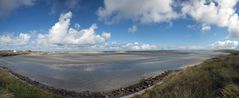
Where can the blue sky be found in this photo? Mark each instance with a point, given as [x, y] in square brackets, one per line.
[121, 24]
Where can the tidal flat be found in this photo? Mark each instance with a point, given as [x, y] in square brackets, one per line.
[100, 72]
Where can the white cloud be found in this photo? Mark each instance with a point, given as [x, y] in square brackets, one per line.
[205, 27]
[138, 46]
[60, 29]
[7, 6]
[106, 35]
[226, 44]
[221, 13]
[191, 26]
[133, 29]
[62, 34]
[21, 39]
[144, 11]
[127, 46]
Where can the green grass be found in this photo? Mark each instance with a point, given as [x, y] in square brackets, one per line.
[11, 87]
[217, 77]
[12, 53]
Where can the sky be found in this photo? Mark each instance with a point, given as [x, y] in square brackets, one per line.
[101, 25]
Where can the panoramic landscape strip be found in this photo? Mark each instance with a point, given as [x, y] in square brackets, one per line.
[119, 48]
[218, 76]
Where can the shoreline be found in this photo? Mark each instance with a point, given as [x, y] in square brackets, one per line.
[140, 86]
[53, 90]
[144, 84]
[160, 82]
[124, 92]
[215, 77]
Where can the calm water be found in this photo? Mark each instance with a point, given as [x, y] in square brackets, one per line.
[99, 72]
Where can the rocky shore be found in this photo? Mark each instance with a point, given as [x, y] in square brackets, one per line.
[143, 84]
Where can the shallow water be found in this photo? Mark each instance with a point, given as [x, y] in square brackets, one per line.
[99, 72]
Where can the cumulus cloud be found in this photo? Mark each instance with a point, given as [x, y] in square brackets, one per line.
[62, 34]
[138, 46]
[125, 46]
[226, 44]
[21, 39]
[133, 29]
[7, 6]
[144, 11]
[220, 13]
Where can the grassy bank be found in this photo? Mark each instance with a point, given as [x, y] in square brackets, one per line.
[4, 53]
[11, 87]
[216, 77]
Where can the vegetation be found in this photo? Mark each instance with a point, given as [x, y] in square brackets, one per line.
[216, 77]
[11, 87]
[13, 52]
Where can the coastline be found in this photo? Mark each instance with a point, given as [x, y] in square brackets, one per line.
[160, 82]
[219, 72]
[56, 91]
[125, 92]
[140, 86]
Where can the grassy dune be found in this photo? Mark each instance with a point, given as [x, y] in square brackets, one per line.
[217, 77]
[11, 87]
